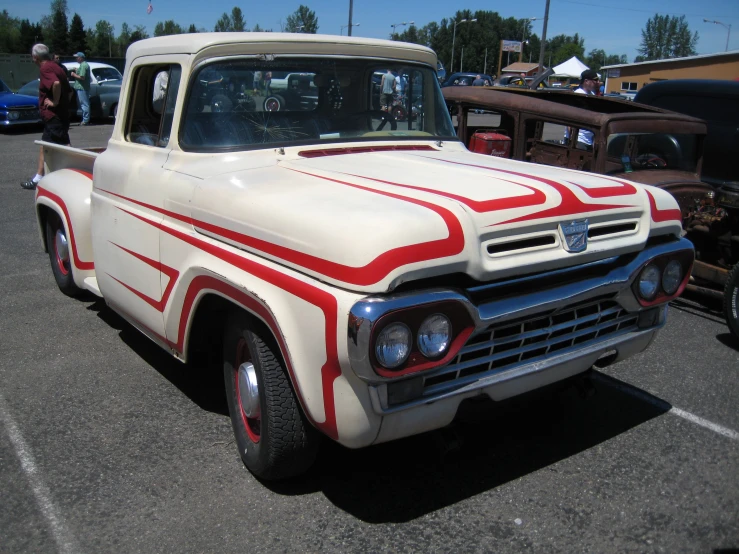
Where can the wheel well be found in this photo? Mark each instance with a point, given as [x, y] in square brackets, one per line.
[205, 342]
[43, 216]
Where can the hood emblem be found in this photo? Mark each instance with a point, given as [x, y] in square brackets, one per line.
[574, 235]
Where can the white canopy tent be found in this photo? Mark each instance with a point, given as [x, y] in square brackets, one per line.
[572, 68]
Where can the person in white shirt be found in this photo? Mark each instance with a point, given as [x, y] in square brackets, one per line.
[588, 85]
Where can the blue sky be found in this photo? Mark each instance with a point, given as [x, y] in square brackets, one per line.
[614, 26]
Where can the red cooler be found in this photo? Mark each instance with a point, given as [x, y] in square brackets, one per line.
[491, 143]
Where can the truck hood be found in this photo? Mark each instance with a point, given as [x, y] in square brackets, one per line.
[368, 221]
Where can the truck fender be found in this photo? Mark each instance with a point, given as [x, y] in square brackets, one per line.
[67, 193]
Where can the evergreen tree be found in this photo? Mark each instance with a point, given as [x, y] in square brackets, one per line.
[304, 20]
[169, 27]
[59, 37]
[30, 34]
[223, 25]
[77, 35]
[665, 37]
[238, 23]
[192, 28]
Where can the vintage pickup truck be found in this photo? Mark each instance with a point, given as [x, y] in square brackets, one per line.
[357, 276]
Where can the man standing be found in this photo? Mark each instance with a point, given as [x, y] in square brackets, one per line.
[478, 82]
[82, 86]
[54, 94]
[588, 85]
[387, 88]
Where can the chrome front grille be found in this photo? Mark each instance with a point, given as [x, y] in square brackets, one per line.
[504, 346]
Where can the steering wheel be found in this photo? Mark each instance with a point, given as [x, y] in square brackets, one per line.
[651, 161]
[386, 117]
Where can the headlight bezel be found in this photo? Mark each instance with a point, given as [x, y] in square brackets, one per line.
[461, 324]
[685, 259]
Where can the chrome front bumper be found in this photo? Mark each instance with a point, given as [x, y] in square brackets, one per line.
[522, 340]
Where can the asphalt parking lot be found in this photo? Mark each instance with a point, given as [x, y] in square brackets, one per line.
[109, 445]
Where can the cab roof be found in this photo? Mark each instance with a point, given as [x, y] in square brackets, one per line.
[280, 43]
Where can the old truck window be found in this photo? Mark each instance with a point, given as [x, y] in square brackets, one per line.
[244, 104]
[151, 106]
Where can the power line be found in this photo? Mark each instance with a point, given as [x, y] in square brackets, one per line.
[622, 9]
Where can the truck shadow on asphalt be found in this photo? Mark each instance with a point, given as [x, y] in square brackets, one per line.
[488, 445]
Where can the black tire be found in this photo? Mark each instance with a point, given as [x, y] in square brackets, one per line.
[731, 301]
[220, 103]
[274, 103]
[281, 443]
[398, 113]
[59, 256]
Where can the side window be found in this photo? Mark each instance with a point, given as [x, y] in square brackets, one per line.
[151, 106]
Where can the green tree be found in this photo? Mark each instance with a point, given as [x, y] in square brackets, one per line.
[139, 33]
[223, 25]
[303, 20]
[598, 58]
[124, 39]
[665, 37]
[192, 28]
[77, 35]
[169, 27]
[101, 40]
[30, 34]
[238, 23]
[10, 33]
[59, 37]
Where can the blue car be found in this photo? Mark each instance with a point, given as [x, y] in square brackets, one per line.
[17, 109]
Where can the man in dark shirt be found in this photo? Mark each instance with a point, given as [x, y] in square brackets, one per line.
[54, 94]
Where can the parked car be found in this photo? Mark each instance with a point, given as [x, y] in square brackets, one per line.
[630, 141]
[105, 88]
[440, 71]
[31, 89]
[518, 81]
[349, 275]
[462, 79]
[17, 108]
[717, 240]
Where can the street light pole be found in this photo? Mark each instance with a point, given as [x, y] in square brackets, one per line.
[728, 28]
[349, 33]
[394, 25]
[523, 38]
[454, 36]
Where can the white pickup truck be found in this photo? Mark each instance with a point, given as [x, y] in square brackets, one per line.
[358, 276]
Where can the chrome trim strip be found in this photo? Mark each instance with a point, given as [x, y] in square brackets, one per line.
[616, 284]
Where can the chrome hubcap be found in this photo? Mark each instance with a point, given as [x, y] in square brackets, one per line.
[62, 247]
[249, 391]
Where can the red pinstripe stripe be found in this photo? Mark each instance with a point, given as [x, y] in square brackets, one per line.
[170, 272]
[368, 274]
[87, 266]
[658, 216]
[570, 204]
[330, 370]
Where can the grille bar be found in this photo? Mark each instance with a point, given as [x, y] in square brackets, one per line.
[599, 321]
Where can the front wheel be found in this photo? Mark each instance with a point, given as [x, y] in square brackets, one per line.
[274, 438]
[274, 103]
[731, 301]
[60, 257]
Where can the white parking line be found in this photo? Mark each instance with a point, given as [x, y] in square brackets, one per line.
[63, 538]
[646, 397]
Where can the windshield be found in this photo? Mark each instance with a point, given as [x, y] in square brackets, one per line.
[243, 104]
[4, 87]
[106, 74]
[654, 151]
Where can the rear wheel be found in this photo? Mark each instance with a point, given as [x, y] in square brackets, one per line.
[274, 103]
[274, 438]
[731, 300]
[60, 257]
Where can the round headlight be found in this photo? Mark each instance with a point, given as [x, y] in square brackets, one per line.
[393, 345]
[13, 115]
[649, 282]
[672, 276]
[434, 335]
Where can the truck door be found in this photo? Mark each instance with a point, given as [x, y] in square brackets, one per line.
[129, 198]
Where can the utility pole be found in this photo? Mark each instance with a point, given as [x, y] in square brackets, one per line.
[728, 28]
[485, 67]
[543, 40]
[351, 10]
